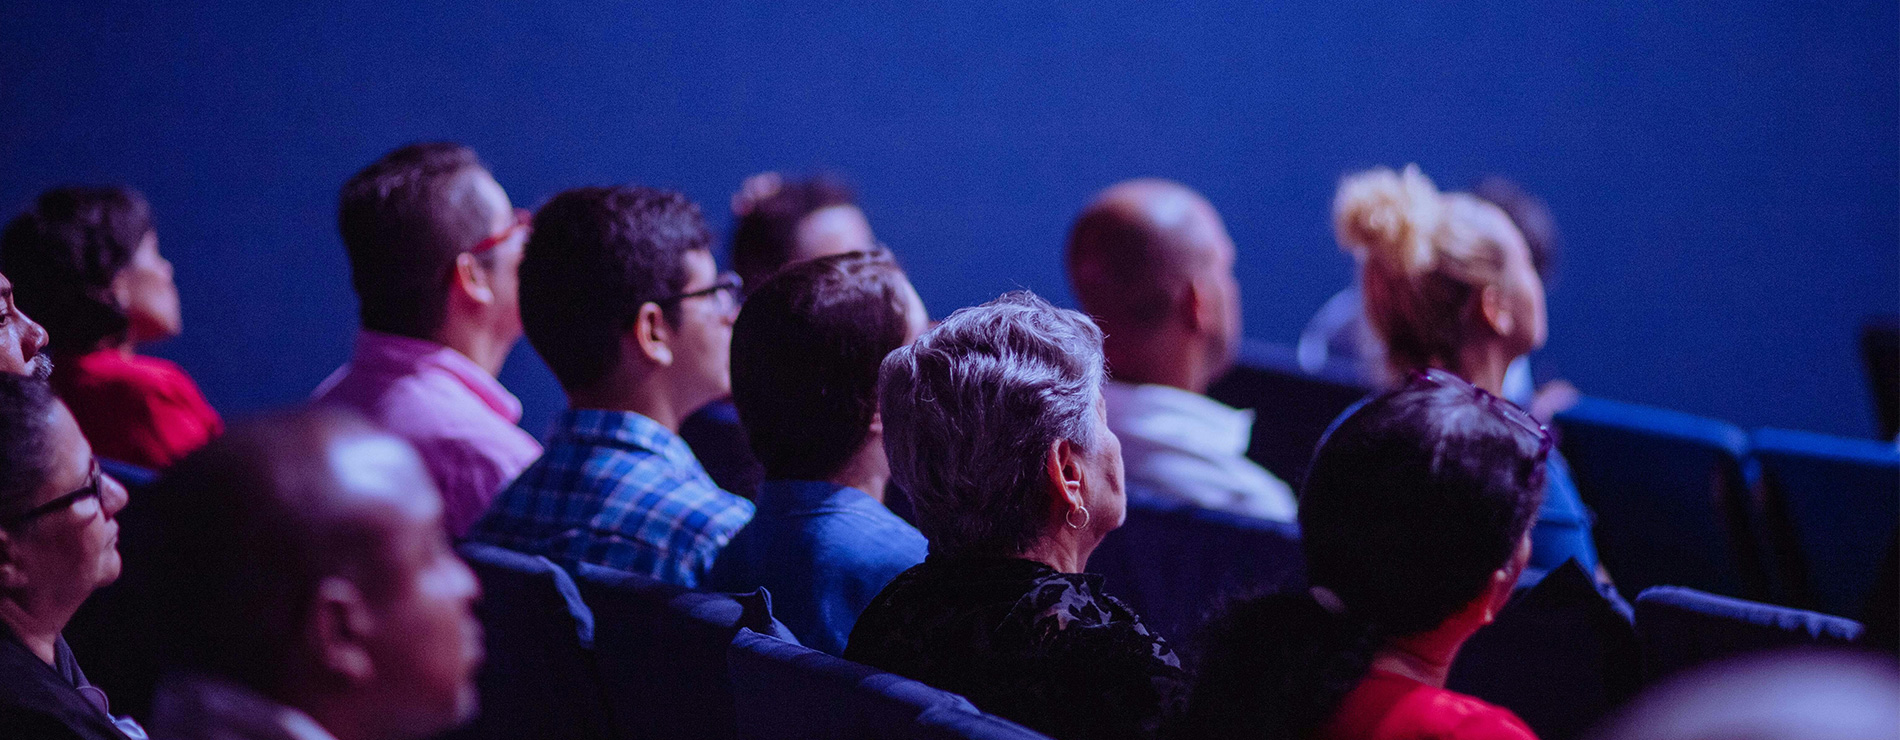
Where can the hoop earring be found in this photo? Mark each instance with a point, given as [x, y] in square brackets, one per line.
[1069, 518]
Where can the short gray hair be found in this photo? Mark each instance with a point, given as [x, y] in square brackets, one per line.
[971, 408]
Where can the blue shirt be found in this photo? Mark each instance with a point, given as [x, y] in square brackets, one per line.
[617, 490]
[824, 551]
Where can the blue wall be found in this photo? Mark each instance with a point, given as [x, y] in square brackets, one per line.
[1725, 173]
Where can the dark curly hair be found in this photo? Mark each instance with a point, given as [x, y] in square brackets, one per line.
[763, 238]
[63, 252]
[1412, 502]
[597, 254]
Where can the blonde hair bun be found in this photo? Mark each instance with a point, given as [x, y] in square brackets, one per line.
[1386, 218]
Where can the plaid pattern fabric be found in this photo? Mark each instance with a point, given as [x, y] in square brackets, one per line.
[618, 490]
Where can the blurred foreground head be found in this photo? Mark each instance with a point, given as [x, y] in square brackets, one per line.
[302, 557]
[1802, 695]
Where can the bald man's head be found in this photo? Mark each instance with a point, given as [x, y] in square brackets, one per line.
[1151, 259]
[304, 552]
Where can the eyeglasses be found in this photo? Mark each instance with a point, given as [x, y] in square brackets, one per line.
[523, 219]
[1505, 409]
[94, 488]
[728, 287]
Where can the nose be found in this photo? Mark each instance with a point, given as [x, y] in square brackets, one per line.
[112, 495]
[34, 339]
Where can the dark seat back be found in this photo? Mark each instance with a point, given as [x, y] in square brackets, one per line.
[1833, 505]
[1683, 628]
[1670, 496]
[1173, 563]
[788, 692]
[539, 679]
[661, 651]
[1880, 351]
[1292, 407]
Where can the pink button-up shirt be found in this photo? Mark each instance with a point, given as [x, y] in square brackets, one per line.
[457, 415]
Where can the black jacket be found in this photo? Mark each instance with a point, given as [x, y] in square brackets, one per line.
[43, 701]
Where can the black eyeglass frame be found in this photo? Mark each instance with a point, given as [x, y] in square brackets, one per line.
[727, 281]
[94, 488]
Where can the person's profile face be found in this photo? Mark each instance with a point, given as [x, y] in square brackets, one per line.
[145, 290]
[502, 261]
[704, 335]
[65, 539]
[1106, 495]
[21, 339]
[833, 230]
[1522, 287]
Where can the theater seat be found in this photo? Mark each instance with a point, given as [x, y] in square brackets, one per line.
[661, 651]
[1682, 628]
[1292, 407]
[539, 678]
[787, 692]
[1173, 563]
[1669, 494]
[1562, 654]
[1833, 505]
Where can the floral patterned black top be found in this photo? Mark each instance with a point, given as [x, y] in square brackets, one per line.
[1024, 642]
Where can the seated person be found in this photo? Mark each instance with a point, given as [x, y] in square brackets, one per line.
[619, 295]
[315, 592]
[22, 340]
[58, 543]
[1415, 519]
[994, 425]
[1449, 284]
[776, 223]
[433, 244]
[805, 355]
[86, 261]
[1152, 262]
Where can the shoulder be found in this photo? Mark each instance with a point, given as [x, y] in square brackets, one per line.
[1449, 715]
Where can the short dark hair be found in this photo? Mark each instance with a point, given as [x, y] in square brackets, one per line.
[1412, 502]
[805, 356]
[404, 219]
[595, 256]
[241, 533]
[764, 237]
[25, 450]
[62, 254]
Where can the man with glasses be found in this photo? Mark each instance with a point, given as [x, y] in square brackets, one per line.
[59, 537]
[433, 245]
[619, 294]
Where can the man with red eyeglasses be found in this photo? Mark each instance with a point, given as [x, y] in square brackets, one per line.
[434, 245]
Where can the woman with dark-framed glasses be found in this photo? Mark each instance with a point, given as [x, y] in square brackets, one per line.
[58, 543]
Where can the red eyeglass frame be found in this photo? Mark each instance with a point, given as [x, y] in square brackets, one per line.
[524, 218]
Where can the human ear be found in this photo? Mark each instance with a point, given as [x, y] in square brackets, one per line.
[1496, 309]
[341, 625]
[1064, 470]
[652, 334]
[10, 575]
[472, 280]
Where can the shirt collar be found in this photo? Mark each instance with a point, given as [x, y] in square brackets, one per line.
[1150, 410]
[603, 427]
[806, 495]
[405, 355]
[205, 703]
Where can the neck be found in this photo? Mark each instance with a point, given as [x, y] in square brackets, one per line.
[1423, 658]
[638, 397]
[1484, 366]
[1168, 360]
[33, 626]
[343, 719]
[476, 343]
[867, 471]
[1063, 551]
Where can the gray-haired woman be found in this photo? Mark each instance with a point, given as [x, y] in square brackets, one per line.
[994, 425]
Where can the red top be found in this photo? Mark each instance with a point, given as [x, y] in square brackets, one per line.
[1387, 706]
[139, 410]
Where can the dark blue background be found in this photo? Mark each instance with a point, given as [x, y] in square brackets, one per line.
[1725, 173]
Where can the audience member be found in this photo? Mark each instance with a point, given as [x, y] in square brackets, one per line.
[994, 425]
[1152, 262]
[805, 356]
[776, 223]
[58, 537]
[22, 340]
[1449, 284]
[621, 298]
[1783, 695]
[1414, 521]
[433, 245]
[86, 261]
[1339, 331]
[308, 589]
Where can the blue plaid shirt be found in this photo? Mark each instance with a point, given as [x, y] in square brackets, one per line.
[618, 490]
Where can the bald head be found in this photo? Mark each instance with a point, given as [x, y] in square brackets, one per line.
[1151, 260]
